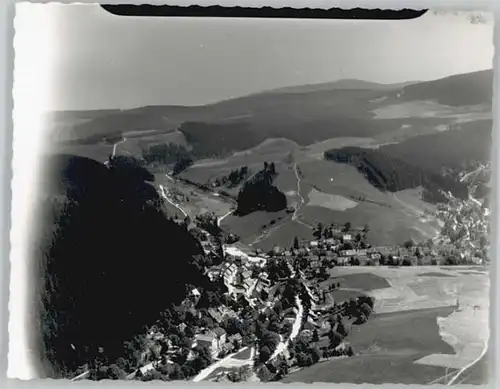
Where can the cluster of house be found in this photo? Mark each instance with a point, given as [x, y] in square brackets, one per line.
[321, 252]
[216, 342]
[468, 221]
[239, 277]
[329, 249]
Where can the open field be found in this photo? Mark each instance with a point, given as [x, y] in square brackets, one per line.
[392, 217]
[372, 369]
[283, 236]
[209, 170]
[198, 202]
[352, 285]
[435, 274]
[389, 349]
[337, 178]
[271, 150]
[386, 348]
[362, 281]
[250, 226]
[426, 109]
[329, 201]
[465, 328]
[317, 150]
[412, 286]
[341, 295]
[332, 192]
[387, 226]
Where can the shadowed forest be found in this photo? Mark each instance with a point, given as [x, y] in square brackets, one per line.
[106, 253]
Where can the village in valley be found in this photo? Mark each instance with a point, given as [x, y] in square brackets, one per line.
[270, 313]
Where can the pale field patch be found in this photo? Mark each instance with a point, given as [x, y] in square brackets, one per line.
[208, 163]
[466, 329]
[429, 109]
[317, 150]
[330, 201]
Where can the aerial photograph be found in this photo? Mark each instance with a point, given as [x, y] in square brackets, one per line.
[253, 200]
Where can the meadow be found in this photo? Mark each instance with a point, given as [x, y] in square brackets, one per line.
[386, 348]
[333, 193]
[424, 326]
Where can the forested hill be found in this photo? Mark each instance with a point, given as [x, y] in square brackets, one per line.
[105, 257]
[259, 193]
[390, 174]
[454, 149]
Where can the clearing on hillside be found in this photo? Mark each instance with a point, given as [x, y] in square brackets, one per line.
[330, 201]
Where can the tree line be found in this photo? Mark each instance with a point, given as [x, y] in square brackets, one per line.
[390, 174]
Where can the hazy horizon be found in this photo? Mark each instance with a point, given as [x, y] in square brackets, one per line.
[263, 91]
[102, 61]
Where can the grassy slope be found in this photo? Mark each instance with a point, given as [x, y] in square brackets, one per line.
[362, 281]
[386, 346]
[451, 148]
[390, 220]
[249, 227]
[450, 90]
[283, 236]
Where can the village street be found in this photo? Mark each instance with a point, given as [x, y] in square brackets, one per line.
[283, 345]
[227, 362]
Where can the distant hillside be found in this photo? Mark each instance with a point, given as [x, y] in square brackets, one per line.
[454, 148]
[121, 122]
[348, 84]
[390, 174]
[463, 89]
[61, 124]
[304, 114]
[105, 252]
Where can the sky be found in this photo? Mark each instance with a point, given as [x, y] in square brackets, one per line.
[100, 61]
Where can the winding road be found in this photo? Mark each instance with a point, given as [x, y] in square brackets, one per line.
[302, 201]
[113, 153]
[283, 345]
[295, 216]
[297, 324]
[164, 195]
[220, 219]
[116, 144]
